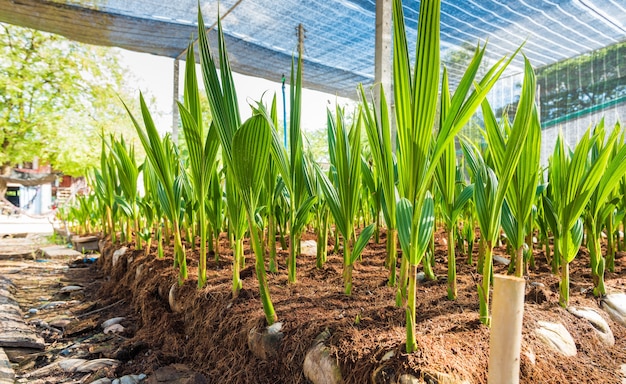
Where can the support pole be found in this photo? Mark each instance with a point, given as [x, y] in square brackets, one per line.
[174, 102]
[301, 37]
[383, 60]
[382, 57]
[505, 340]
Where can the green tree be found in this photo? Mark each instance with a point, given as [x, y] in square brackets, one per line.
[56, 98]
[590, 80]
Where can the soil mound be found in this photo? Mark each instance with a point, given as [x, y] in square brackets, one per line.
[207, 330]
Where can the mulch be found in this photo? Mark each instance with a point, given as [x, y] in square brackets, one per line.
[210, 334]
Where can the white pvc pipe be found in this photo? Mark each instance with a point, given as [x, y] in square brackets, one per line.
[505, 340]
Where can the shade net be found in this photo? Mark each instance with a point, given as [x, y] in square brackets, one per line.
[339, 37]
[577, 46]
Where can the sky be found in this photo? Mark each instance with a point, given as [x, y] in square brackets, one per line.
[153, 75]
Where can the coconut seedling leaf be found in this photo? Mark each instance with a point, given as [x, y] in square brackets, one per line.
[426, 226]
[251, 145]
[405, 217]
[362, 241]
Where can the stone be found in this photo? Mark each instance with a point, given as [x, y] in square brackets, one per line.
[265, 345]
[115, 328]
[117, 254]
[319, 366]
[615, 305]
[556, 336]
[70, 365]
[308, 248]
[132, 379]
[97, 364]
[104, 380]
[600, 326]
[501, 260]
[71, 288]
[175, 306]
[388, 355]
[112, 321]
[176, 374]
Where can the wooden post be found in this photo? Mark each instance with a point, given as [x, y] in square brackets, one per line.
[505, 340]
[383, 68]
[300, 32]
[383, 55]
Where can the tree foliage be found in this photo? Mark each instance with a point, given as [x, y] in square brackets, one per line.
[56, 98]
[586, 81]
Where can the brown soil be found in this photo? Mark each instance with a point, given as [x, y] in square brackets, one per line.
[210, 334]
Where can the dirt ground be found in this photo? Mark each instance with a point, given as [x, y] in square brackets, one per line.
[210, 334]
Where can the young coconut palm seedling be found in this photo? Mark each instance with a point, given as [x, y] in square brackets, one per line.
[222, 97]
[251, 142]
[301, 199]
[163, 159]
[215, 211]
[454, 196]
[342, 193]
[418, 154]
[370, 203]
[128, 173]
[491, 187]
[601, 204]
[572, 182]
[621, 205]
[521, 193]
[105, 180]
[292, 167]
[147, 221]
[80, 216]
[153, 210]
[202, 149]
[378, 130]
[321, 214]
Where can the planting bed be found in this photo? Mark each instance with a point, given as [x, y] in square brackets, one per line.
[209, 333]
